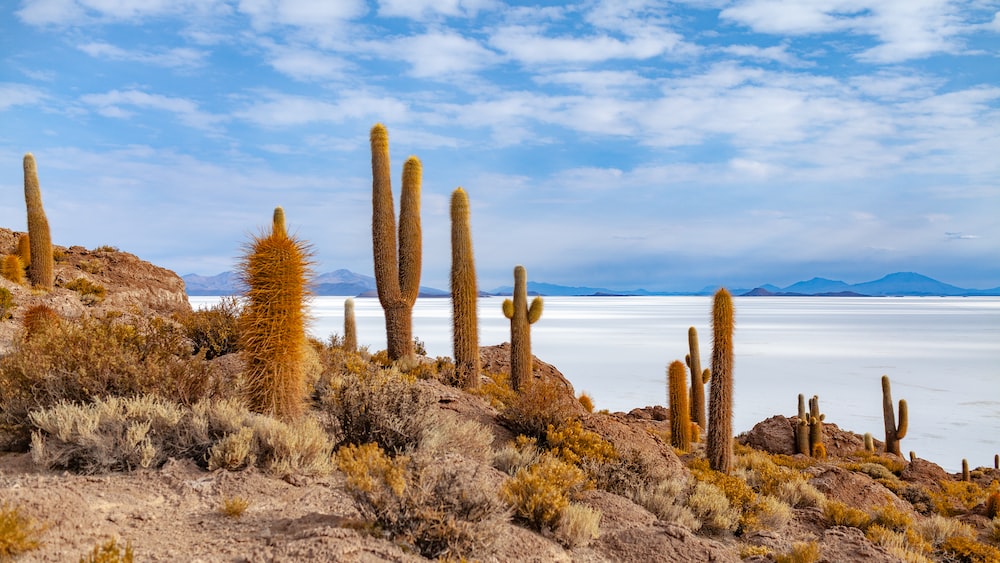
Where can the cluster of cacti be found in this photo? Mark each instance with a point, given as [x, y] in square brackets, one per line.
[464, 294]
[677, 397]
[698, 379]
[719, 441]
[397, 271]
[893, 432]
[276, 271]
[350, 327]
[41, 271]
[521, 316]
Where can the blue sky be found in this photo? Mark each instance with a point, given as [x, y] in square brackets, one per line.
[621, 144]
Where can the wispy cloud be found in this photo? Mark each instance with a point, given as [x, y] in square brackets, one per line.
[124, 103]
[174, 57]
[14, 94]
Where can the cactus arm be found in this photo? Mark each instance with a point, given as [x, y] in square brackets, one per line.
[410, 234]
[383, 220]
[508, 308]
[278, 222]
[535, 310]
[904, 420]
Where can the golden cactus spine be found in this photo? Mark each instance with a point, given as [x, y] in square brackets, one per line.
[464, 294]
[893, 433]
[719, 442]
[350, 327]
[24, 249]
[276, 270]
[397, 271]
[680, 415]
[41, 270]
[12, 269]
[698, 379]
[521, 316]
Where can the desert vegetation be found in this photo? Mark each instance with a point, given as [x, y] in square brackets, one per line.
[487, 456]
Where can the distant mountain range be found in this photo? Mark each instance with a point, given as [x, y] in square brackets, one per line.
[346, 282]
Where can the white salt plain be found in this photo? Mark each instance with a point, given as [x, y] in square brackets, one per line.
[941, 354]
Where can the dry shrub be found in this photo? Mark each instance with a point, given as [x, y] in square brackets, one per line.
[443, 509]
[233, 507]
[994, 530]
[765, 476]
[7, 304]
[586, 401]
[517, 454]
[573, 443]
[384, 407]
[840, 514]
[214, 331]
[894, 464]
[712, 508]
[907, 545]
[90, 293]
[800, 494]
[741, 497]
[112, 356]
[117, 434]
[748, 551]
[993, 505]
[18, 533]
[936, 529]
[801, 552]
[540, 492]
[495, 388]
[892, 518]
[957, 497]
[578, 524]
[667, 500]
[771, 513]
[447, 432]
[963, 549]
[110, 552]
[541, 404]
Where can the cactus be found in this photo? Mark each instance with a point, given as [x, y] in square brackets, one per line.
[802, 429]
[464, 294]
[40, 272]
[350, 327]
[893, 433]
[965, 470]
[869, 442]
[397, 273]
[24, 249]
[719, 442]
[816, 428]
[680, 415]
[12, 269]
[996, 461]
[698, 378]
[278, 223]
[913, 456]
[521, 318]
[276, 270]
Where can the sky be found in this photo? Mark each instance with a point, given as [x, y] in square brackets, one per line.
[623, 144]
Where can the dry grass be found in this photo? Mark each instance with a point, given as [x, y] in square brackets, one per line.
[840, 514]
[214, 331]
[90, 293]
[968, 550]
[541, 404]
[573, 443]
[801, 552]
[540, 492]
[712, 508]
[518, 454]
[233, 507]
[18, 533]
[110, 552]
[578, 525]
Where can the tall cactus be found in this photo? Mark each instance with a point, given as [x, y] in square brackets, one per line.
[802, 429]
[521, 316]
[464, 294]
[698, 379]
[893, 433]
[816, 447]
[276, 270]
[41, 271]
[719, 442]
[397, 271]
[350, 327]
[680, 416]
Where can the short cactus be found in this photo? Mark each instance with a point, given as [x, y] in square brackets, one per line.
[276, 270]
[719, 442]
[12, 269]
[397, 271]
[869, 442]
[464, 294]
[893, 433]
[24, 248]
[521, 316]
[680, 416]
[698, 378]
[350, 327]
[802, 429]
[816, 428]
[41, 270]
[965, 470]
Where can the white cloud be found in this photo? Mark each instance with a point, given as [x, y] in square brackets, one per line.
[777, 53]
[13, 94]
[302, 63]
[265, 14]
[626, 83]
[177, 57]
[114, 104]
[906, 29]
[80, 12]
[436, 54]
[283, 110]
[530, 45]
[420, 9]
